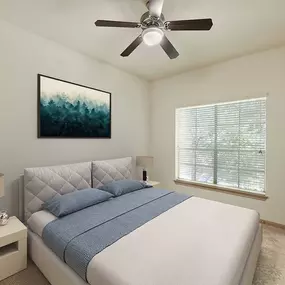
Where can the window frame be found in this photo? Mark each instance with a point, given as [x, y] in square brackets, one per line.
[212, 186]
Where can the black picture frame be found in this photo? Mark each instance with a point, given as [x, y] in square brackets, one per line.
[77, 136]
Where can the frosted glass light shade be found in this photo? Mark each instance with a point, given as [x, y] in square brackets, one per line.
[2, 185]
[144, 161]
[152, 36]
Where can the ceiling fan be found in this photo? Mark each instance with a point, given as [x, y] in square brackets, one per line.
[153, 27]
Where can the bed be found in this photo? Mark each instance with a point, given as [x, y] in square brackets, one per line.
[189, 241]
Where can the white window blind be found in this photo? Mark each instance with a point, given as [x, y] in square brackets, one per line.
[223, 144]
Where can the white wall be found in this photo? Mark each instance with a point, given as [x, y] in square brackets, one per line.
[246, 77]
[22, 57]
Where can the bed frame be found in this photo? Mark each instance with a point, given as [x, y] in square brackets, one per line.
[42, 183]
[58, 273]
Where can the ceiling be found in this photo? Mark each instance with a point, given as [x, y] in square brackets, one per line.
[240, 27]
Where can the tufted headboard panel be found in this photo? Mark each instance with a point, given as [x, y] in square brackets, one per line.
[43, 183]
[111, 170]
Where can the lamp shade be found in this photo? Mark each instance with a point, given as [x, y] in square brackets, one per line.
[1, 185]
[144, 161]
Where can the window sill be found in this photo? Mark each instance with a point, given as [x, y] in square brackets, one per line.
[223, 189]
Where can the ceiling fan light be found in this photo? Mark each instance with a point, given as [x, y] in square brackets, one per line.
[152, 36]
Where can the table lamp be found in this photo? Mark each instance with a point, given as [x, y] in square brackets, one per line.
[145, 162]
[2, 185]
[3, 214]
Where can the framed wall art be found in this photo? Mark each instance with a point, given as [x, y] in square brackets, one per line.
[70, 110]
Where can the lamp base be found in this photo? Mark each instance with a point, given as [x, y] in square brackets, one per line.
[144, 175]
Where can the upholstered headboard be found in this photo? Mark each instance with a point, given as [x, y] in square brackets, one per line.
[109, 170]
[43, 183]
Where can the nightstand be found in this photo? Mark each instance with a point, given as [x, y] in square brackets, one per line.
[153, 183]
[13, 248]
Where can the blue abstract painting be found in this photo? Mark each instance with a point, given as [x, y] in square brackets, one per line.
[69, 110]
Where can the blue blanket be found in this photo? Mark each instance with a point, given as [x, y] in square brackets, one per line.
[78, 237]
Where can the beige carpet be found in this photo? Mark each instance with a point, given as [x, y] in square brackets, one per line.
[271, 265]
[270, 269]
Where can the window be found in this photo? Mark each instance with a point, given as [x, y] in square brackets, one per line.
[223, 144]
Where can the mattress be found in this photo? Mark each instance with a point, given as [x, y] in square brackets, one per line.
[210, 245]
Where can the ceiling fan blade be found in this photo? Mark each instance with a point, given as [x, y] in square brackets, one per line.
[117, 24]
[132, 46]
[155, 7]
[169, 49]
[190, 25]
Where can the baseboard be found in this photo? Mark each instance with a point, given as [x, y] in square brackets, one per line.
[269, 223]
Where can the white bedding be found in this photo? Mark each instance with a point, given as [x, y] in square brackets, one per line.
[210, 245]
[39, 220]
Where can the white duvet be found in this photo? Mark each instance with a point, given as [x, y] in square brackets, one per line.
[198, 242]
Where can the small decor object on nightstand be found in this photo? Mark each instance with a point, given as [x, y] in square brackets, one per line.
[145, 162]
[4, 218]
[3, 214]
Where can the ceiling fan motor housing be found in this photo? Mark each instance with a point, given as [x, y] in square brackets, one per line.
[148, 21]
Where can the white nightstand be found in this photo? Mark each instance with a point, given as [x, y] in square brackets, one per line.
[13, 248]
[153, 183]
